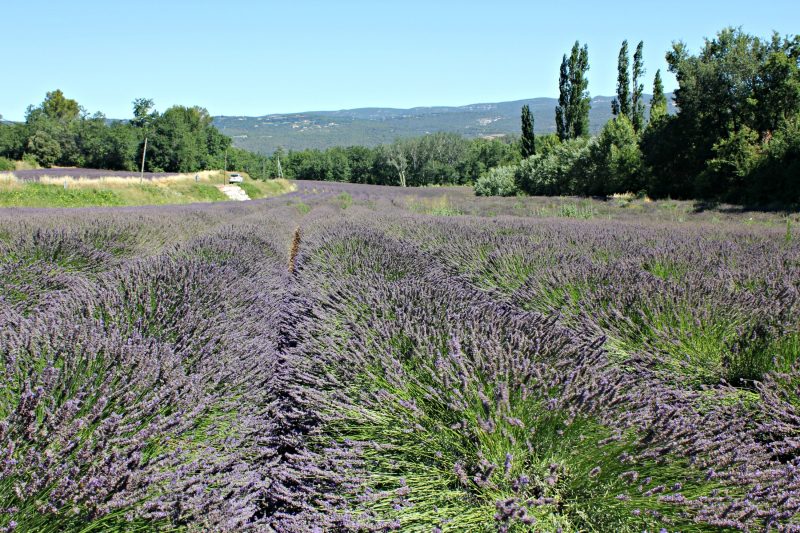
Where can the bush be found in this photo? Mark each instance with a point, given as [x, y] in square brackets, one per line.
[615, 161]
[498, 181]
[775, 176]
[561, 171]
[727, 173]
[6, 164]
[545, 144]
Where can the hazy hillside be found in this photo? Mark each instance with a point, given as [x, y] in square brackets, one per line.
[373, 126]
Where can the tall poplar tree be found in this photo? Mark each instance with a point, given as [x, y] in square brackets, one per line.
[621, 105]
[563, 100]
[637, 104]
[572, 112]
[658, 104]
[528, 147]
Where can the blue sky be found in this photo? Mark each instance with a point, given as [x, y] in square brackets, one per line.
[242, 57]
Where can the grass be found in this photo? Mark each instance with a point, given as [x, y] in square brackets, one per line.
[439, 206]
[114, 191]
[344, 200]
[265, 189]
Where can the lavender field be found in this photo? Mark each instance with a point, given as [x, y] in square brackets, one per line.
[356, 358]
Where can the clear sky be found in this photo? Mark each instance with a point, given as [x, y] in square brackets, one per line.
[240, 57]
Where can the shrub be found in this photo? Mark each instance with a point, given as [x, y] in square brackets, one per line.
[726, 174]
[558, 172]
[615, 160]
[6, 164]
[774, 177]
[547, 143]
[498, 181]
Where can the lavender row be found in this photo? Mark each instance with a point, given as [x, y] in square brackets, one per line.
[342, 359]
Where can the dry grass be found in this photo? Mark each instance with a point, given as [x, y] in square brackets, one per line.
[117, 191]
[107, 182]
[294, 250]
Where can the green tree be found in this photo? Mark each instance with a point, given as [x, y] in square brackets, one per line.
[44, 148]
[778, 90]
[737, 81]
[563, 170]
[615, 160]
[528, 141]
[658, 104]
[637, 89]
[562, 129]
[775, 177]
[57, 107]
[572, 112]
[735, 157]
[485, 154]
[144, 113]
[498, 181]
[184, 140]
[361, 161]
[12, 140]
[621, 105]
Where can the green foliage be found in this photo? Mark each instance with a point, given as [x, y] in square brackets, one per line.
[561, 171]
[615, 160]
[60, 132]
[436, 159]
[734, 159]
[12, 140]
[528, 140]
[40, 195]
[572, 113]
[144, 113]
[637, 89]
[547, 143]
[498, 181]
[658, 103]
[183, 140]
[6, 164]
[44, 148]
[582, 211]
[775, 176]
[344, 200]
[57, 107]
[733, 97]
[628, 101]
[621, 105]
[33, 194]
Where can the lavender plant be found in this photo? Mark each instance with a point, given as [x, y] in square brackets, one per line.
[512, 368]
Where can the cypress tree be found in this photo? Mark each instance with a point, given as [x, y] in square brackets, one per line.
[528, 147]
[658, 104]
[637, 104]
[621, 105]
[572, 112]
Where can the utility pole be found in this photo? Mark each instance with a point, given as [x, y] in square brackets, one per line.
[225, 169]
[144, 153]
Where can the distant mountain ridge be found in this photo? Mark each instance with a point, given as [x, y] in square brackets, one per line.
[371, 126]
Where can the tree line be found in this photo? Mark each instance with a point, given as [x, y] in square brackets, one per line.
[735, 136]
[435, 159]
[60, 132]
